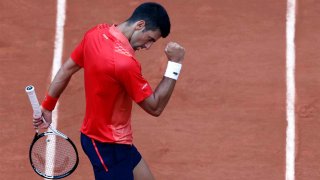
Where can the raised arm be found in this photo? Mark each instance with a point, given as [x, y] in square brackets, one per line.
[57, 86]
[156, 103]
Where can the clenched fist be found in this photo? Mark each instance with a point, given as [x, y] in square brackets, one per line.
[174, 52]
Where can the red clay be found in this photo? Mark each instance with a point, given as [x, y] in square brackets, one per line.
[226, 119]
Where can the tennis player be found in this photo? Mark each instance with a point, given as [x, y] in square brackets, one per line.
[113, 79]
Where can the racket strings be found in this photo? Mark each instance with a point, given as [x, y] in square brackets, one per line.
[53, 155]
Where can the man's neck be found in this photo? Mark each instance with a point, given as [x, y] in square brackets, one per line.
[126, 30]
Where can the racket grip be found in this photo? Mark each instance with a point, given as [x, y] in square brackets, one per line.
[34, 101]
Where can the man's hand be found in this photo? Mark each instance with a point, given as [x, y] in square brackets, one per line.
[38, 123]
[174, 52]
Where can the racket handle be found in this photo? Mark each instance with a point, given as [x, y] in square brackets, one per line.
[34, 101]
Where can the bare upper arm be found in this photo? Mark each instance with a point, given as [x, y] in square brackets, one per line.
[62, 78]
[150, 105]
[70, 67]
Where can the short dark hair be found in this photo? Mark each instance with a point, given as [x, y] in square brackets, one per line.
[155, 16]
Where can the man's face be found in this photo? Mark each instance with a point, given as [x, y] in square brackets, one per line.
[142, 39]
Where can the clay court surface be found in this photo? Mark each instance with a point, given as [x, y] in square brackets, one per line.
[227, 117]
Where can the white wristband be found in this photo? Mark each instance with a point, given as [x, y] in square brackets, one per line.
[173, 70]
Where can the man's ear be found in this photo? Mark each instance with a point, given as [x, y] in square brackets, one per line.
[139, 25]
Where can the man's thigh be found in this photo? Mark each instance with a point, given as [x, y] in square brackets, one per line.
[142, 171]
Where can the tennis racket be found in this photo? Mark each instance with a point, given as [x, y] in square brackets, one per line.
[52, 154]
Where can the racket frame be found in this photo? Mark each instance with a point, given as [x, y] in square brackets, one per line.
[38, 114]
[38, 136]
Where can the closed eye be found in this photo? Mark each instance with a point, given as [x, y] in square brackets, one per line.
[152, 39]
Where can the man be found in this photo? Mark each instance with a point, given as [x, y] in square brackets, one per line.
[113, 79]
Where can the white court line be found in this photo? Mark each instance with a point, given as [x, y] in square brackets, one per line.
[290, 73]
[57, 59]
